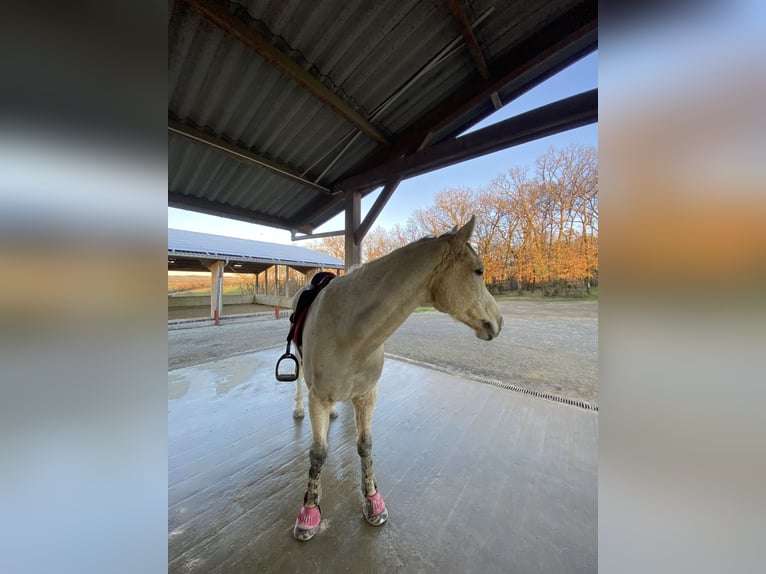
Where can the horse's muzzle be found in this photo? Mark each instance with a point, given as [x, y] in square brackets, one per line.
[489, 329]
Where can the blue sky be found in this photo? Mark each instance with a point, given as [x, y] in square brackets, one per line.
[418, 192]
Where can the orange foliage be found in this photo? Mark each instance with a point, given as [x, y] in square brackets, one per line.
[538, 229]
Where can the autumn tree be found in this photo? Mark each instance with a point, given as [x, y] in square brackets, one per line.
[334, 245]
[246, 283]
[454, 207]
[548, 221]
[375, 244]
[569, 178]
[451, 207]
[536, 228]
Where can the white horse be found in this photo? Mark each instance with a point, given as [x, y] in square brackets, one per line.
[343, 343]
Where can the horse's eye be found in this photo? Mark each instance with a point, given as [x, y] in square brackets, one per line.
[479, 272]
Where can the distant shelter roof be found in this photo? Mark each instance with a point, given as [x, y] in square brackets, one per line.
[191, 251]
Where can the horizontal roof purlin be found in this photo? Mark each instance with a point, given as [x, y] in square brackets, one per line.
[204, 245]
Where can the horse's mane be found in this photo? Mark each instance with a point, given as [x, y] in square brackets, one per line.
[423, 239]
[362, 266]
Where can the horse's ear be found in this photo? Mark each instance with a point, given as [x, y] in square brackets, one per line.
[464, 233]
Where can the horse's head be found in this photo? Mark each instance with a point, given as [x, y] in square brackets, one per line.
[457, 285]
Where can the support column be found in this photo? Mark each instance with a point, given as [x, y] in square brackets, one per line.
[216, 289]
[287, 280]
[353, 218]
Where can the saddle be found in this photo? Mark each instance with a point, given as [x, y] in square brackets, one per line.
[297, 320]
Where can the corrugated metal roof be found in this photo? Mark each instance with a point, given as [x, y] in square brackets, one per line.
[190, 243]
[392, 61]
[203, 172]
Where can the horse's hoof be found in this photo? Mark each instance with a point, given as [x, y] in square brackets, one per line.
[333, 414]
[375, 510]
[307, 523]
[298, 414]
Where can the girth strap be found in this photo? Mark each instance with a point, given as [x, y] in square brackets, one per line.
[297, 318]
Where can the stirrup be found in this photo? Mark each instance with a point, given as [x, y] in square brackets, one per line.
[288, 356]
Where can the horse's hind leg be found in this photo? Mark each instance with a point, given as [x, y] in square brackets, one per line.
[375, 510]
[298, 412]
[298, 408]
[307, 523]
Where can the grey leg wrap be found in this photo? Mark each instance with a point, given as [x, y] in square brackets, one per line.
[317, 460]
[364, 448]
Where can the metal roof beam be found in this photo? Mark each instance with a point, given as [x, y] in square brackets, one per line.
[565, 114]
[472, 44]
[377, 207]
[192, 203]
[320, 203]
[241, 154]
[296, 237]
[545, 44]
[220, 16]
[561, 36]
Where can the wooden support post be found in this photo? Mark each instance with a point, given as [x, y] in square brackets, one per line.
[353, 218]
[216, 290]
[287, 280]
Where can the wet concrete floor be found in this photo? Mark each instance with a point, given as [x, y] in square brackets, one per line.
[476, 478]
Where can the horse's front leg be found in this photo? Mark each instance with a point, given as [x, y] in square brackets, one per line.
[375, 510]
[309, 517]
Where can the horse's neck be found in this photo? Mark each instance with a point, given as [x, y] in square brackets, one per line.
[386, 291]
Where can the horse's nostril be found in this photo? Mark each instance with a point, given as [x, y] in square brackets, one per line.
[490, 328]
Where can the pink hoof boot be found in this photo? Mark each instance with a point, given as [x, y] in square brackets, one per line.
[307, 523]
[375, 509]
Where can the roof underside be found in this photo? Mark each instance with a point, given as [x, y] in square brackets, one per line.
[191, 251]
[277, 107]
